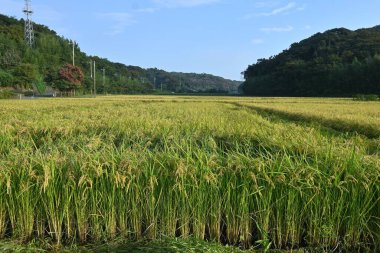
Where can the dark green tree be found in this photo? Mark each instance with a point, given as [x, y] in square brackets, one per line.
[51, 52]
[25, 75]
[338, 63]
[6, 79]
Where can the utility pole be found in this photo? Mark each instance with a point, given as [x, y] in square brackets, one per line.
[94, 79]
[90, 68]
[90, 62]
[29, 32]
[73, 42]
[154, 82]
[104, 77]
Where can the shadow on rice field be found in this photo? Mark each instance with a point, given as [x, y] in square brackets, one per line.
[350, 127]
[88, 171]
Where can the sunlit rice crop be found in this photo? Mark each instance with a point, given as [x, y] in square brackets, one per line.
[84, 170]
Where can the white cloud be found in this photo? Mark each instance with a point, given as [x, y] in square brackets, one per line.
[280, 10]
[257, 41]
[277, 29]
[120, 20]
[266, 4]
[147, 10]
[290, 7]
[183, 3]
[307, 27]
[248, 16]
[301, 8]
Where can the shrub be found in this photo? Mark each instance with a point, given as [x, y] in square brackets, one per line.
[40, 85]
[6, 94]
[6, 79]
[366, 97]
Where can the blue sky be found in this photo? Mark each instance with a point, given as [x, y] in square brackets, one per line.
[220, 37]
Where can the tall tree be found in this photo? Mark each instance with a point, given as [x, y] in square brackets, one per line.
[6, 79]
[338, 62]
[71, 78]
[25, 76]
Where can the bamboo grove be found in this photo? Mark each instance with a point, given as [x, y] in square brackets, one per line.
[85, 170]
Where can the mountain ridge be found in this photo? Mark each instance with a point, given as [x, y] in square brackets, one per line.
[52, 51]
[338, 62]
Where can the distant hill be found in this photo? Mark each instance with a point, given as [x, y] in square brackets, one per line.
[338, 62]
[191, 82]
[22, 67]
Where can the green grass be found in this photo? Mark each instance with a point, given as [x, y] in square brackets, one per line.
[165, 246]
[85, 171]
[175, 245]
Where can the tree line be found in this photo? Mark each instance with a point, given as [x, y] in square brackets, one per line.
[337, 63]
[23, 68]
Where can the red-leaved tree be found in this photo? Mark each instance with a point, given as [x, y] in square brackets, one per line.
[71, 77]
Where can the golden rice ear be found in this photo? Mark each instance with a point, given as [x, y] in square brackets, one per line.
[229, 170]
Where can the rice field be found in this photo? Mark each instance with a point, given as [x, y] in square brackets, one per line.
[254, 173]
[340, 114]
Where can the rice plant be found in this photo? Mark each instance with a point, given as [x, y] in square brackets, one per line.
[92, 170]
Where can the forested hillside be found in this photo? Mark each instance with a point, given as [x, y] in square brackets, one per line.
[23, 68]
[339, 62]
